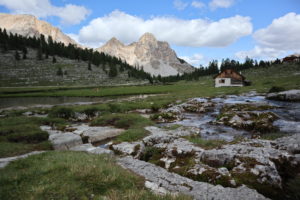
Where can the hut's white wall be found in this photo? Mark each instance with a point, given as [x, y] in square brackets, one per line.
[220, 82]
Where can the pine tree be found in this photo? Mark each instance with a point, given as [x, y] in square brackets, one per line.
[89, 66]
[17, 55]
[59, 72]
[53, 59]
[113, 72]
[39, 54]
[24, 50]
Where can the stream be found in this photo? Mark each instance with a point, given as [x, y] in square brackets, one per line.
[288, 113]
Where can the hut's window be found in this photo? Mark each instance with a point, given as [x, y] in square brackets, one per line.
[222, 81]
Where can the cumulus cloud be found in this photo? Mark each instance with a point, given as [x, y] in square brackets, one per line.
[280, 37]
[282, 34]
[214, 4]
[69, 14]
[180, 5]
[195, 32]
[198, 4]
[259, 52]
[195, 59]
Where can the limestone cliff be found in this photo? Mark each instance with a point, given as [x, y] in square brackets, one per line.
[29, 26]
[154, 56]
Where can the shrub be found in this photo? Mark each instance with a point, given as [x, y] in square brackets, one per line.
[122, 120]
[155, 108]
[62, 112]
[276, 89]
[34, 136]
[91, 111]
[293, 186]
[132, 135]
[114, 108]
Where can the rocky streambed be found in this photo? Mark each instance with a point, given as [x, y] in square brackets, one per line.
[238, 163]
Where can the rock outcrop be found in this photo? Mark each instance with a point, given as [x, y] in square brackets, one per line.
[154, 56]
[162, 181]
[254, 162]
[290, 95]
[30, 26]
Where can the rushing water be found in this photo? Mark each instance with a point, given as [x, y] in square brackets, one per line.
[288, 112]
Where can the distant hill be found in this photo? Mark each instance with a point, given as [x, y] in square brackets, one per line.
[155, 57]
[32, 61]
[65, 72]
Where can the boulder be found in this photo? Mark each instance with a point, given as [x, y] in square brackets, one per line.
[290, 95]
[65, 141]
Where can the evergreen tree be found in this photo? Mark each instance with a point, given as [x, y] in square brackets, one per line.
[113, 71]
[53, 59]
[17, 55]
[24, 50]
[59, 72]
[89, 66]
[39, 54]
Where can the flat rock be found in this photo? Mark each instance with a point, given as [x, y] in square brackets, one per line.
[6, 161]
[96, 133]
[65, 141]
[89, 148]
[290, 143]
[162, 181]
[290, 95]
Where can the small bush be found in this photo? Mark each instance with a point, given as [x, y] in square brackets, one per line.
[29, 137]
[122, 121]
[276, 89]
[91, 111]
[152, 153]
[155, 107]
[132, 135]
[293, 186]
[62, 112]
[114, 108]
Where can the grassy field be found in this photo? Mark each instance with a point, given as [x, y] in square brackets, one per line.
[286, 76]
[72, 175]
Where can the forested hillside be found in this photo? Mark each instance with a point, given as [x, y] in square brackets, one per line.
[42, 61]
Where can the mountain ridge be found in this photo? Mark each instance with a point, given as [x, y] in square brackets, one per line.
[30, 26]
[156, 57]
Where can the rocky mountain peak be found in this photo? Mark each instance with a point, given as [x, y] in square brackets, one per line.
[114, 41]
[29, 26]
[147, 38]
[156, 57]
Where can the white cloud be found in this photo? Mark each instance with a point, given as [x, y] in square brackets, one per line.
[282, 34]
[198, 4]
[195, 32]
[214, 4]
[180, 5]
[279, 38]
[260, 53]
[69, 14]
[195, 59]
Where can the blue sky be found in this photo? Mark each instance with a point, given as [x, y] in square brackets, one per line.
[198, 30]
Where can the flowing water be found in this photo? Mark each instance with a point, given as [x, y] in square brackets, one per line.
[288, 112]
